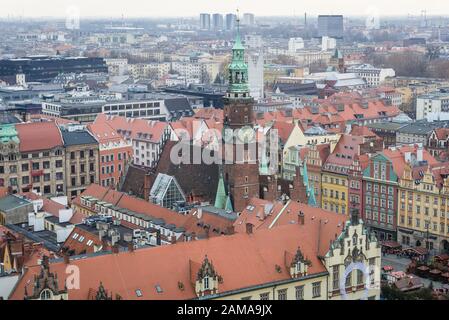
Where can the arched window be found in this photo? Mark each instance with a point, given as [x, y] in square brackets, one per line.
[46, 295]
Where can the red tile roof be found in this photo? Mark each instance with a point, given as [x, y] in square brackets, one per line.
[38, 136]
[103, 132]
[167, 266]
[320, 225]
[136, 127]
[346, 149]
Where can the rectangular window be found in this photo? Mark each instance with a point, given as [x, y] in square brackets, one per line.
[282, 294]
[316, 289]
[335, 277]
[299, 292]
[265, 296]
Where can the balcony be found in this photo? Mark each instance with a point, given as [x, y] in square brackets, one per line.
[36, 173]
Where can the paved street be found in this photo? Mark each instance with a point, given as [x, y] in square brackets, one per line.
[400, 264]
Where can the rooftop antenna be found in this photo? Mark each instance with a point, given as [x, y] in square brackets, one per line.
[238, 21]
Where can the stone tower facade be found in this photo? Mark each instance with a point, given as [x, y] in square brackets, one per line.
[240, 169]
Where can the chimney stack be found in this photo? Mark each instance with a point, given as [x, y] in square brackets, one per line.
[115, 249]
[301, 218]
[158, 237]
[66, 258]
[130, 247]
[249, 228]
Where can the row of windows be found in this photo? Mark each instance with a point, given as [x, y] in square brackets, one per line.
[375, 188]
[426, 199]
[110, 158]
[333, 180]
[132, 106]
[282, 294]
[82, 168]
[334, 194]
[428, 225]
[134, 114]
[35, 179]
[25, 167]
[82, 154]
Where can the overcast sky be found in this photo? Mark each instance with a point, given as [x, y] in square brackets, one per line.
[166, 8]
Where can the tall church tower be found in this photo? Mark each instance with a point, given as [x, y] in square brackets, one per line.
[241, 175]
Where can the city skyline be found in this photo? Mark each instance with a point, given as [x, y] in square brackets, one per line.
[137, 8]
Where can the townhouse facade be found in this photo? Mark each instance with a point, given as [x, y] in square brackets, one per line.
[81, 159]
[115, 153]
[380, 194]
[334, 179]
[32, 158]
[423, 207]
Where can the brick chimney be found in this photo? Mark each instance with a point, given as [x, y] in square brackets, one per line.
[301, 218]
[130, 247]
[115, 249]
[158, 237]
[230, 230]
[66, 258]
[249, 228]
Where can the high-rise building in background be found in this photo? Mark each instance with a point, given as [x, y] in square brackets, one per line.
[217, 21]
[328, 43]
[255, 75]
[230, 21]
[331, 26]
[295, 44]
[248, 19]
[205, 21]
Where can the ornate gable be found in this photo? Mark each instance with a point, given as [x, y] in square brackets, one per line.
[206, 278]
[297, 264]
[46, 285]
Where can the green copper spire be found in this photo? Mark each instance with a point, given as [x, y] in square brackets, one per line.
[228, 206]
[238, 70]
[220, 197]
[311, 198]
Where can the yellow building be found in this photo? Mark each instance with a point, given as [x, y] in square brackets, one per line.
[334, 177]
[423, 219]
[334, 192]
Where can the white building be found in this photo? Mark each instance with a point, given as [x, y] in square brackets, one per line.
[198, 70]
[117, 67]
[256, 75]
[248, 19]
[150, 109]
[372, 75]
[433, 106]
[253, 41]
[328, 43]
[295, 44]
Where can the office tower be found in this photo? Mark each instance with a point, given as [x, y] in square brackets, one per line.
[230, 21]
[331, 26]
[205, 21]
[248, 19]
[217, 21]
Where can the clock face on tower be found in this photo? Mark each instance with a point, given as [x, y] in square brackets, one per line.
[246, 134]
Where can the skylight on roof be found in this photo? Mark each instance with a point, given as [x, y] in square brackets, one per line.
[158, 289]
[138, 293]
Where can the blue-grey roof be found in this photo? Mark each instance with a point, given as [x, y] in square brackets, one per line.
[78, 137]
[12, 202]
